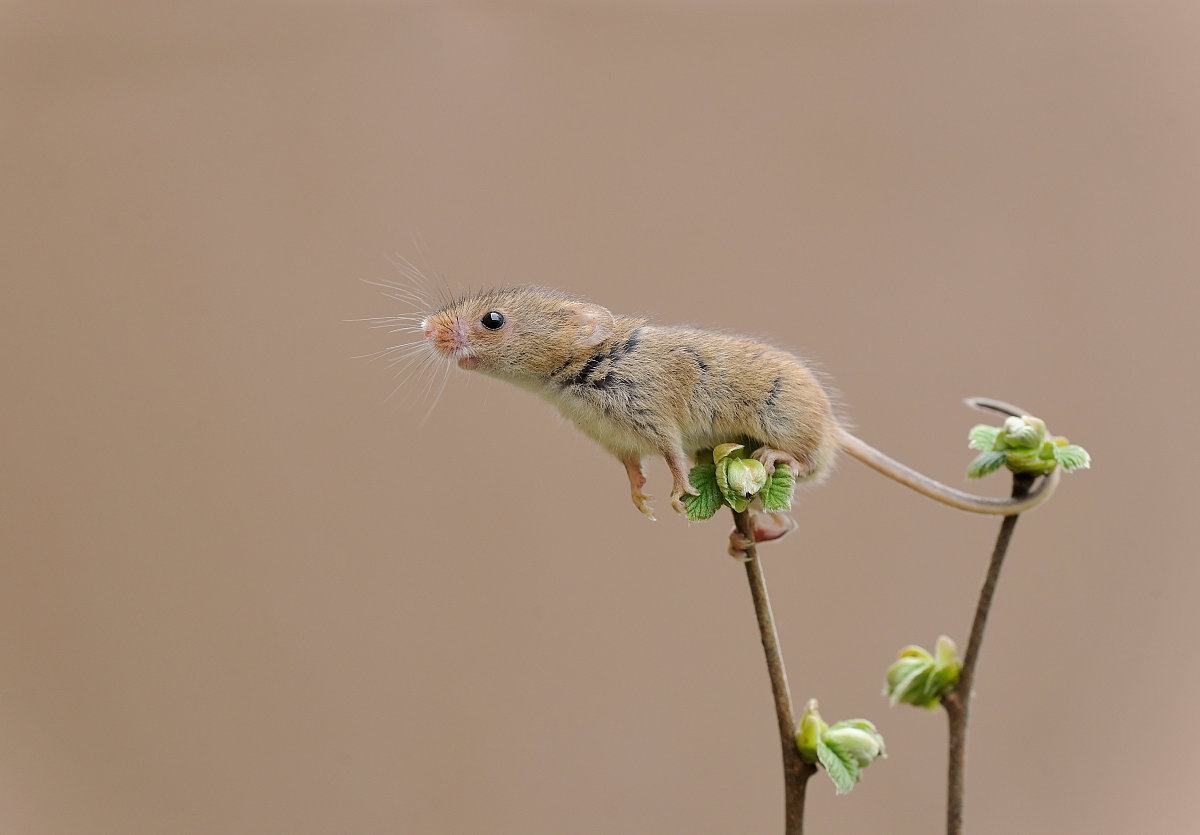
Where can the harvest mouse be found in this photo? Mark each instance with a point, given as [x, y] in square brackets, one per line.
[641, 390]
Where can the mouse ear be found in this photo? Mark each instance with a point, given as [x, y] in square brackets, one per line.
[595, 323]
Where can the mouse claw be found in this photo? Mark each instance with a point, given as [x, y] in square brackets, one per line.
[677, 497]
[738, 543]
[642, 502]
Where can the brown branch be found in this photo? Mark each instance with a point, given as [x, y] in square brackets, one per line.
[958, 701]
[795, 770]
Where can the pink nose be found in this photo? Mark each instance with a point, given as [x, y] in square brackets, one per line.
[429, 332]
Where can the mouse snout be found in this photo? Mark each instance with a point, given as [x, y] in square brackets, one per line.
[448, 338]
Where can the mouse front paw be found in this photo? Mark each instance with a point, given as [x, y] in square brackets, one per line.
[678, 493]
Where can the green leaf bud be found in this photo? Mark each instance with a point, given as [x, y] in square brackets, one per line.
[733, 497]
[1024, 446]
[844, 749]
[859, 739]
[920, 679]
[945, 650]
[745, 476]
[810, 731]
[1024, 432]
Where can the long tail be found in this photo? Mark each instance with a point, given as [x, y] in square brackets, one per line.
[937, 491]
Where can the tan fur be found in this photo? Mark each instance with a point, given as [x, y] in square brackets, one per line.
[645, 390]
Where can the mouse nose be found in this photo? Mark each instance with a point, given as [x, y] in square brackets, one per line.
[427, 328]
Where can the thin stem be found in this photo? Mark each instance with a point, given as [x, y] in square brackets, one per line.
[958, 701]
[795, 770]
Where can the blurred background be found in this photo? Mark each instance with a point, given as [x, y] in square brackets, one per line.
[245, 590]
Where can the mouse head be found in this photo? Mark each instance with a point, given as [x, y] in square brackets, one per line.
[519, 333]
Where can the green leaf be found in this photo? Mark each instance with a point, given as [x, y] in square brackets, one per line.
[983, 437]
[839, 765]
[986, 463]
[777, 492]
[1072, 457]
[703, 506]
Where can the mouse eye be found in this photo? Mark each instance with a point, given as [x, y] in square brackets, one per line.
[493, 320]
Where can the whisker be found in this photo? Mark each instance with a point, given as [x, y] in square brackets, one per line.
[405, 362]
[410, 271]
[401, 317]
[407, 349]
[438, 396]
[423, 365]
[429, 388]
[438, 283]
[416, 296]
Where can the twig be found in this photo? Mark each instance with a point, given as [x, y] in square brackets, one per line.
[795, 770]
[958, 701]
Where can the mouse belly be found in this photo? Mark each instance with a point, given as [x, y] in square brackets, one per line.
[631, 432]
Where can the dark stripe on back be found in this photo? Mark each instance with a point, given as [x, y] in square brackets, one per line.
[615, 352]
[588, 367]
[699, 358]
[774, 393]
[562, 367]
[631, 342]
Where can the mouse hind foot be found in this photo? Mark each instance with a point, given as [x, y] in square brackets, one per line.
[637, 480]
[768, 526]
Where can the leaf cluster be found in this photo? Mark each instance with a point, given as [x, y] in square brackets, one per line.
[735, 479]
[1024, 446]
[843, 749]
[919, 678]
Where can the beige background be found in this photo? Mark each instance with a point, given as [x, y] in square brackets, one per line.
[243, 592]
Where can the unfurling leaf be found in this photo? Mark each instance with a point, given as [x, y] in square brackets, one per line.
[725, 450]
[986, 463]
[839, 765]
[1072, 457]
[983, 437]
